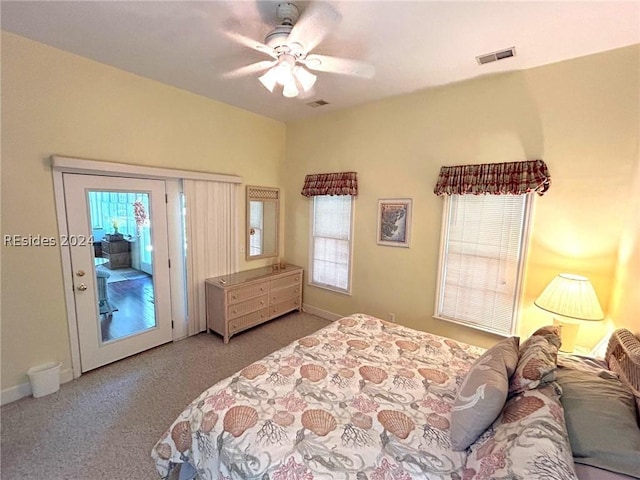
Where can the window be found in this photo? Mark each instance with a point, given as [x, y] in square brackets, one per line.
[331, 232]
[481, 260]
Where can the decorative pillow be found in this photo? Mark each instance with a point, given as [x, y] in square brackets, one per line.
[528, 440]
[537, 364]
[601, 420]
[551, 333]
[483, 392]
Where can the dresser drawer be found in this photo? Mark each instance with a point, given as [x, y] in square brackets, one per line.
[284, 307]
[241, 294]
[277, 296]
[239, 309]
[285, 282]
[248, 320]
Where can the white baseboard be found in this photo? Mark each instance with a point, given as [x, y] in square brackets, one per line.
[321, 313]
[17, 392]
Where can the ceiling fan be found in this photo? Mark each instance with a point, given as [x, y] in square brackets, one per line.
[290, 43]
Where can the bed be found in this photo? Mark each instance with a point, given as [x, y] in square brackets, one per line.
[366, 399]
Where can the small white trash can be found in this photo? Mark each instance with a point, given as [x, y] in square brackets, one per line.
[45, 378]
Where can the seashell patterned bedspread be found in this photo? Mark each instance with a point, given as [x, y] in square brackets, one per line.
[361, 399]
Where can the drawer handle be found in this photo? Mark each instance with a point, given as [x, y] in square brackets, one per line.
[261, 302]
[296, 291]
[262, 289]
[235, 311]
[233, 297]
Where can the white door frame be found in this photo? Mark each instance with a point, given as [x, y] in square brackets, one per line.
[173, 180]
[95, 349]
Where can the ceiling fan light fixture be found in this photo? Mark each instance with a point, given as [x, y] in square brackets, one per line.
[293, 64]
[269, 79]
[282, 74]
[284, 69]
[305, 78]
[290, 89]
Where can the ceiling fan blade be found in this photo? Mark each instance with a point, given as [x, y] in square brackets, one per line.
[250, 69]
[342, 66]
[251, 43]
[315, 22]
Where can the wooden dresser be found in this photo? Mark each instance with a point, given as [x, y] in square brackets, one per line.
[242, 300]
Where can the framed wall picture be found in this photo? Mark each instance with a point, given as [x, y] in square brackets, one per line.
[394, 222]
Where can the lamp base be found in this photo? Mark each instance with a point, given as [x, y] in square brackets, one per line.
[568, 334]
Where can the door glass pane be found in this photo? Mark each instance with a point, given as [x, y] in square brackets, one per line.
[123, 259]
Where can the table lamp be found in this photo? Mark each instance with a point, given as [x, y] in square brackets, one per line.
[573, 298]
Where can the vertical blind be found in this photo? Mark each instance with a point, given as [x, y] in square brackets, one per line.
[331, 241]
[211, 231]
[480, 273]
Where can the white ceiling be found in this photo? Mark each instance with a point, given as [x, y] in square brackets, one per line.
[412, 45]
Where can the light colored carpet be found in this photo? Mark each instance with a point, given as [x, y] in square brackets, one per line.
[104, 424]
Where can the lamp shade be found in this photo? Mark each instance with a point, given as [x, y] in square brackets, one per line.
[571, 296]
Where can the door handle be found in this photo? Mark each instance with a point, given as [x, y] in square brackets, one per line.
[82, 287]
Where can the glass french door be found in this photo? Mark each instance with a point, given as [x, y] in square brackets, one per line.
[119, 256]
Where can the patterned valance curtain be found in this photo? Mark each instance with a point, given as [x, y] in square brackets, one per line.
[342, 183]
[512, 178]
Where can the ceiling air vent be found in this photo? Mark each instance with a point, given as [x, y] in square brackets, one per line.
[495, 56]
[317, 103]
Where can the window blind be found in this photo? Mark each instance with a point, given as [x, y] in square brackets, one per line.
[331, 241]
[482, 259]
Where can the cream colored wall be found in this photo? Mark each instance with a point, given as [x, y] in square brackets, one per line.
[57, 103]
[625, 298]
[580, 116]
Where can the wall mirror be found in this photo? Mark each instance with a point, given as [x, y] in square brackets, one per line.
[263, 205]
